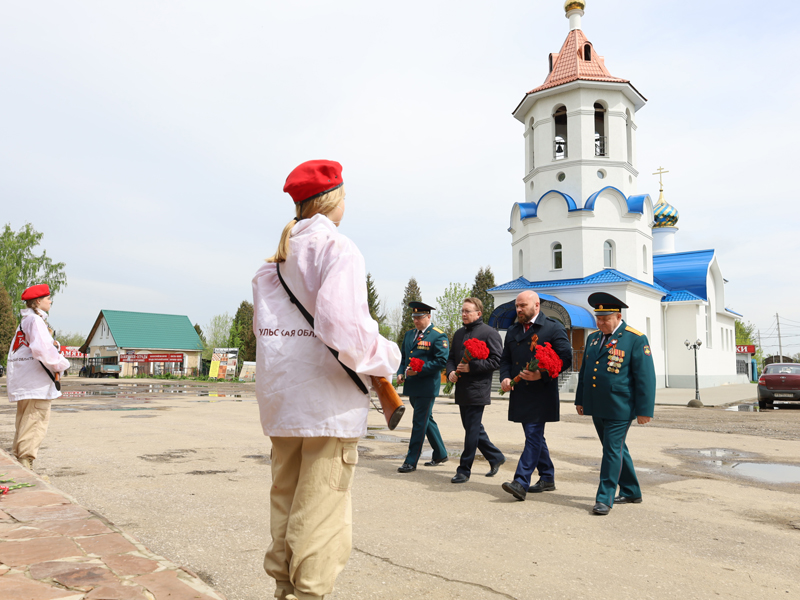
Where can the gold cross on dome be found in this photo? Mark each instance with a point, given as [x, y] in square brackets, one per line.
[660, 172]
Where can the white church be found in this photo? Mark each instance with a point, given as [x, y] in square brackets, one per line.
[583, 227]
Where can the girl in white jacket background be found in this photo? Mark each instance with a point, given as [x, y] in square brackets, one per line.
[312, 410]
[32, 359]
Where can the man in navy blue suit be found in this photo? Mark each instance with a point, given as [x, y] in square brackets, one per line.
[534, 399]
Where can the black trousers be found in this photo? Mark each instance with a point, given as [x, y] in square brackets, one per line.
[475, 438]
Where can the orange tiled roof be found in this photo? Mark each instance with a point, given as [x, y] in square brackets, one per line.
[568, 65]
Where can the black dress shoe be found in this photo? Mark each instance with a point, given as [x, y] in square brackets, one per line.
[406, 468]
[434, 462]
[493, 469]
[627, 500]
[601, 509]
[459, 478]
[542, 486]
[515, 489]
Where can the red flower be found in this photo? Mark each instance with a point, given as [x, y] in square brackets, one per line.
[416, 364]
[548, 360]
[477, 349]
[3, 490]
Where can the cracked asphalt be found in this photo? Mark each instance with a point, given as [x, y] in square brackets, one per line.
[188, 475]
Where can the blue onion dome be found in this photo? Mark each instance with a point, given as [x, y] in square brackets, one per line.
[664, 214]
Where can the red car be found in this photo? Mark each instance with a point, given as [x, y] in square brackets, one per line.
[780, 381]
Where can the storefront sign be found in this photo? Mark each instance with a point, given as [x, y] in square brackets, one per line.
[151, 358]
[745, 349]
[71, 352]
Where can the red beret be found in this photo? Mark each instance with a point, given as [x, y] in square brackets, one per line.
[313, 178]
[36, 291]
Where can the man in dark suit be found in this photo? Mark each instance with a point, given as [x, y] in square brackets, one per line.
[534, 399]
[473, 381]
[617, 383]
[428, 344]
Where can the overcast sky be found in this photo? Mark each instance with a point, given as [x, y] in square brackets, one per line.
[150, 140]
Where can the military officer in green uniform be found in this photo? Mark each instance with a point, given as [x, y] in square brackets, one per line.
[428, 344]
[617, 383]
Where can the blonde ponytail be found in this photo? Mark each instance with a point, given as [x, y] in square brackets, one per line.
[324, 204]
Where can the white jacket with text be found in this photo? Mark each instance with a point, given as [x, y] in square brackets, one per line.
[32, 343]
[302, 390]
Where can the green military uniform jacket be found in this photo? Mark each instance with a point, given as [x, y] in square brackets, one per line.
[433, 348]
[617, 381]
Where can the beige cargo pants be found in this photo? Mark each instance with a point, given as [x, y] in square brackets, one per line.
[33, 417]
[311, 518]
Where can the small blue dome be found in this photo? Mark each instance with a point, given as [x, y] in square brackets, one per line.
[664, 214]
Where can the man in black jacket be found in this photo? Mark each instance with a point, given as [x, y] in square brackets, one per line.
[534, 399]
[473, 381]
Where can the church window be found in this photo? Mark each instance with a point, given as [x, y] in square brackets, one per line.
[629, 136]
[601, 174]
[531, 145]
[709, 331]
[560, 139]
[550, 61]
[644, 259]
[557, 260]
[608, 255]
[587, 52]
[520, 263]
[600, 138]
[561, 176]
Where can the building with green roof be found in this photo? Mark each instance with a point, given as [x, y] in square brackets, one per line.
[145, 343]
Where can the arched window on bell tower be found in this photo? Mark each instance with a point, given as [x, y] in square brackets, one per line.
[600, 137]
[531, 144]
[608, 254]
[557, 257]
[629, 136]
[560, 137]
[587, 52]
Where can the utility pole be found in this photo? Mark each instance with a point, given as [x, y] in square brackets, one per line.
[780, 346]
[759, 347]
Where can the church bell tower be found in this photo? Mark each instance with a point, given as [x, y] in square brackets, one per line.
[580, 131]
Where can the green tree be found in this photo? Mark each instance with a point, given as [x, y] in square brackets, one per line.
[200, 333]
[484, 281]
[69, 338]
[241, 335]
[745, 333]
[21, 268]
[448, 317]
[412, 293]
[219, 331]
[372, 300]
[8, 324]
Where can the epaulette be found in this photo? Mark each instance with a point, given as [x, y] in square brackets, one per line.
[437, 329]
[633, 331]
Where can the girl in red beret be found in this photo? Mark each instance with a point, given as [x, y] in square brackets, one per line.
[313, 411]
[33, 362]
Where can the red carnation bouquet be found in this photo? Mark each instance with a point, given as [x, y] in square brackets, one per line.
[416, 364]
[473, 349]
[544, 359]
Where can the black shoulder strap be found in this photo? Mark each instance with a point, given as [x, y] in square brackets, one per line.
[353, 375]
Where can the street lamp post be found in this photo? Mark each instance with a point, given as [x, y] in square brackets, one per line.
[696, 403]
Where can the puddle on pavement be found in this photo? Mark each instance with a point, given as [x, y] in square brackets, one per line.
[730, 462]
[769, 472]
[385, 438]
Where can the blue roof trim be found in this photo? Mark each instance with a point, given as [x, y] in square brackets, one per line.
[527, 210]
[604, 276]
[504, 315]
[733, 312]
[686, 271]
[681, 296]
[571, 206]
[635, 203]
